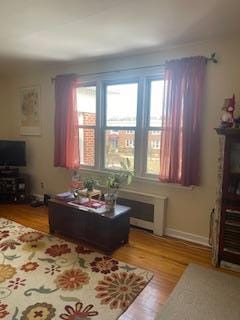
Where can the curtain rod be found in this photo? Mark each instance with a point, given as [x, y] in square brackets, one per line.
[212, 58]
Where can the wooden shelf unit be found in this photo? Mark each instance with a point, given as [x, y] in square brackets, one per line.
[229, 237]
[14, 189]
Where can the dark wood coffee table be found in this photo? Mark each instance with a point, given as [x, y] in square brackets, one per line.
[106, 230]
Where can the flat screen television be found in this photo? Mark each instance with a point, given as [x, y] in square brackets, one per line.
[12, 153]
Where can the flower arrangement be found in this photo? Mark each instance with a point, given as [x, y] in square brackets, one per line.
[116, 180]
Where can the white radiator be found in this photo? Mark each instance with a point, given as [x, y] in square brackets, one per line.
[160, 208]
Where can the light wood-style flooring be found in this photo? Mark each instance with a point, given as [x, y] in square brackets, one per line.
[167, 258]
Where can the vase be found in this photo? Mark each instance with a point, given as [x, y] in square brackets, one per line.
[110, 200]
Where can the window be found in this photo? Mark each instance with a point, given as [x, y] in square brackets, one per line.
[121, 118]
[129, 143]
[113, 141]
[86, 103]
[154, 125]
[155, 144]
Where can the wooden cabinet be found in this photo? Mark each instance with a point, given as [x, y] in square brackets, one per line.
[106, 231]
[229, 231]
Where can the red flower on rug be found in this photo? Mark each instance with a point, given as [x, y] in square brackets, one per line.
[57, 250]
[4, 234]
[8, 244]
[29, 266]
[119, 289]
[104, 264]
[72, 279]
[39, 311]
[18, 282]
[82, 250]
[79, 312]
[3, 311]
[53, 269]
[30, 236]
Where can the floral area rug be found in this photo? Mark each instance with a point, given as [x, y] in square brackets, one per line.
[43, 277]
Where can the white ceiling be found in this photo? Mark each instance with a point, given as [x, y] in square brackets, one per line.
[68, 30]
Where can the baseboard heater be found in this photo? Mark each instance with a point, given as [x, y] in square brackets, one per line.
[148, 210]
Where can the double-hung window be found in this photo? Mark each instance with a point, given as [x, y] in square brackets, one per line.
[154, 125]
[120, 108]
[120, 118]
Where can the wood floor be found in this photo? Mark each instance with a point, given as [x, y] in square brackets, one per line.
[167, 258]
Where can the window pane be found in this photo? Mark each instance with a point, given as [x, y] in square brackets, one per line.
[87, 146]
[119, 145]
[86, 104]
[153, 156]
[121, 105]
[156, 103]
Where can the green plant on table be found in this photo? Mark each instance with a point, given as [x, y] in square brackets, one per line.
[90, 184]
[117, 179]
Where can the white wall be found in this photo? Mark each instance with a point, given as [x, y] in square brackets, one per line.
[5, 107]
[188, 210]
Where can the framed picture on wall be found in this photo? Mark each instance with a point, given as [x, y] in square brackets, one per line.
[30, 113]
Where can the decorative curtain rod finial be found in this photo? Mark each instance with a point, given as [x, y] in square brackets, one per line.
[213, 58]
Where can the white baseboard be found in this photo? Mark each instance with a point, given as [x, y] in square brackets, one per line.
[186, 236]
[172, 232]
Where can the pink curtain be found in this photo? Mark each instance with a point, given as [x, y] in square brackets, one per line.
[66, 123]
[180, 140]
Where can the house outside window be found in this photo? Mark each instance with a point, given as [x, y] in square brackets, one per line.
[155, 144]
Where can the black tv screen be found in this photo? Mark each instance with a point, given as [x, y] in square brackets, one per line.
[12, 153]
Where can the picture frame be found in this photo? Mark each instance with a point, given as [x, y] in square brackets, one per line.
[30, 111]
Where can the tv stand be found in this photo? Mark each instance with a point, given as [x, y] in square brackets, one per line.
[13, 186]
[7, 172]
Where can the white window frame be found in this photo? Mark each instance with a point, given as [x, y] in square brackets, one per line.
[143, 78]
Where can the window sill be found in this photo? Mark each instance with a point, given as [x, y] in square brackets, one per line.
[136, 179]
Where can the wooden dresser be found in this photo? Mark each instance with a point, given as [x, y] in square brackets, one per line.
[227, 215]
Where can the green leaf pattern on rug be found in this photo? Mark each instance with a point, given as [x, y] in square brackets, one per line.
[47, 260]
[4, 292]
[11, 257]
[128, 268]
[42, 290]
[82, 262]
[32, 255]
[69, 299]
[15, 314]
